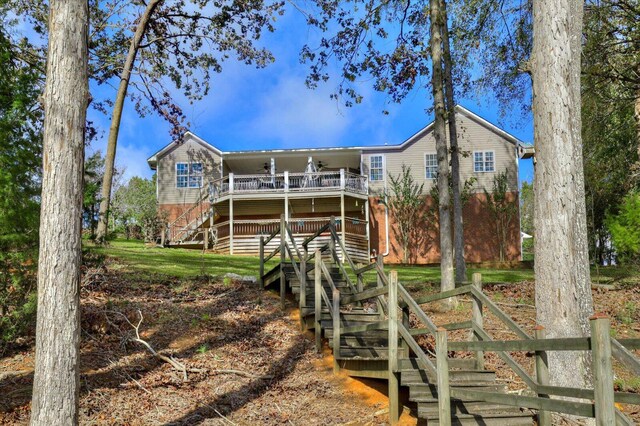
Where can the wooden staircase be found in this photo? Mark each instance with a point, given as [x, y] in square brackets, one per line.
[367, 328]
[366, 354]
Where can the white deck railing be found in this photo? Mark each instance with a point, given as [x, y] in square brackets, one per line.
[289, 182]
[299, 226]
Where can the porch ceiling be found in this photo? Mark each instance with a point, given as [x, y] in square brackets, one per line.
[292, 161]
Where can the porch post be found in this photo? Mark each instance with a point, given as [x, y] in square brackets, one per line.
[366, 218]
[343, 225]
[231, 224]
[286, 195]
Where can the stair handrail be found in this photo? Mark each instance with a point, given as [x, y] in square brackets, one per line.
[178, 231]
[539, 344]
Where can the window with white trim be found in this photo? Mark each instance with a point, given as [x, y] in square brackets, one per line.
[376, 168]
[483, 161]
[431, 165]
[188, 175]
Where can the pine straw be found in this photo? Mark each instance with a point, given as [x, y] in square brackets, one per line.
[248, 362]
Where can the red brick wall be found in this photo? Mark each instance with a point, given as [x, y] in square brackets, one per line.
[480, 235]
[173, 211]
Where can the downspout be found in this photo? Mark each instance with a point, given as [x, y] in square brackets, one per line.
[386, 211]
[386, 225]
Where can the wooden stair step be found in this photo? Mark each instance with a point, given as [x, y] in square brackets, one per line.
[367, 353]
[462, 363]
[428, 407]
[431, 391]
[328, 333]
[352, 316]
[328, 324]
[362, 341]
[409, 377]
[487, 419]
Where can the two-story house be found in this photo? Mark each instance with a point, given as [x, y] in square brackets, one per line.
[225, 201]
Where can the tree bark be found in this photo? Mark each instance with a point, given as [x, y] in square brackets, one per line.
[116, 117]
[56, 380]
[444, 215]
[458, 228]
[563, 292]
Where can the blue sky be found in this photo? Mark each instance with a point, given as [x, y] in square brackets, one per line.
[250, 108]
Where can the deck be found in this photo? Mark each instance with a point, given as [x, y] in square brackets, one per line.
[289, 183]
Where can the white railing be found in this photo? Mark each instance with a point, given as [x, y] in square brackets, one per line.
[299, 226]
[289, 182]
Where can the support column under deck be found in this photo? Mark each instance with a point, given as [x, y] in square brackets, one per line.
[343, 225]
[366, 218]
[231, 225]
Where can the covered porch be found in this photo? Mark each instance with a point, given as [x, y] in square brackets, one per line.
[239, 223]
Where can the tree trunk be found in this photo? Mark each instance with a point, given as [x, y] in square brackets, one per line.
[563, 292]
[56, 380]
[437, 83]
[458, 231]
[116, 117]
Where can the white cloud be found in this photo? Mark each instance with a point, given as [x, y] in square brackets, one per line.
[290, 115]
[134, 161]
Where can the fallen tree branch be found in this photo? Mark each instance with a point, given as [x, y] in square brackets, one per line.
[178, 366]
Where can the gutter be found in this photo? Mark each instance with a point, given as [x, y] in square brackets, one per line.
[386, 225]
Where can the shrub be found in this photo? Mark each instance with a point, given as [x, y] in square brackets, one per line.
[625, 229]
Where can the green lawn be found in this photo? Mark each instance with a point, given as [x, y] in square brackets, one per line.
[176, 262]
[185, 263]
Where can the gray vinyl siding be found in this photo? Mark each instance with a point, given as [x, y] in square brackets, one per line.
[472, 137]
[188, 151]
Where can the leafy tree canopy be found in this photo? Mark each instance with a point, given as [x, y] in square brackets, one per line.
[187, 41]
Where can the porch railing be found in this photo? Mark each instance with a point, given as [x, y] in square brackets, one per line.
[289, 182]
[299, 226]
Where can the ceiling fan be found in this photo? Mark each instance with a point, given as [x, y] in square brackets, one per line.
[266, 168]
[321, 165]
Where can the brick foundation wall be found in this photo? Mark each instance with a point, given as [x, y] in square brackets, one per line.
[480, 235]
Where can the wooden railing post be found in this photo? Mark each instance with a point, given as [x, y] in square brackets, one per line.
[442, 373]
[542, 375]
[394, 398]
[260, 278]
[317, 299]
[406, 324]
[303, 287]
[602, 371]
[231, 183]
[283, 279]
[332, 241]
[336, 330]
[379, 283]
[476, 312]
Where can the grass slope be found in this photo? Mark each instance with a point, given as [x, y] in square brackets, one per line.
[185, 263]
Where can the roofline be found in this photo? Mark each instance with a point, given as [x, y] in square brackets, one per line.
[294, 150]
[459, 108]
[152, 161]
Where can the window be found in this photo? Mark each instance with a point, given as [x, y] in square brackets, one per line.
[188, 175]
[483, 161]
[376, 169]
[431, 165]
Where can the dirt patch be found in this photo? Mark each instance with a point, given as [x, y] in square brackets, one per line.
[212, 328]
